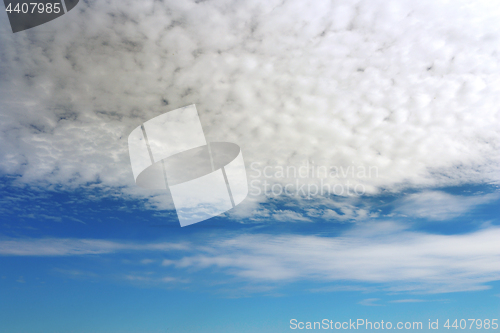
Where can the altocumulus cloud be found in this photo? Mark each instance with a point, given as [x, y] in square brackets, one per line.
[409, 87]
[386, 254]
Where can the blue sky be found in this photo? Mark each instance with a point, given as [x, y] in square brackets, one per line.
[409, 90]
[110, 265]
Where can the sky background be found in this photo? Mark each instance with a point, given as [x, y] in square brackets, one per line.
[408, 89]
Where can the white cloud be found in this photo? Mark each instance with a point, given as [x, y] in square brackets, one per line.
[438, 205]
[385, 254]
[342, 288]
[347, 214]
[150, 279]
[409, 87]
[75, 273]
[289, 216]
[167, 262]
[69, 247]
[411, 300]
[370, 302]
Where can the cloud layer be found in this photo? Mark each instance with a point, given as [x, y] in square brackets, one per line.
[410, 87]
[385, 254]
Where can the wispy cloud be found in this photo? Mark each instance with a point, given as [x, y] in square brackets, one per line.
[289, 216]
[76, 273]
[69, 247]
[410, 300]
[152, 279]
[370, 302]
[397, 259]
[387, 254]
[341, 288]
[347, 214]
[438, 205]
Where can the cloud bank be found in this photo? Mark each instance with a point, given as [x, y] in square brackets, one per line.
[410, 87]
